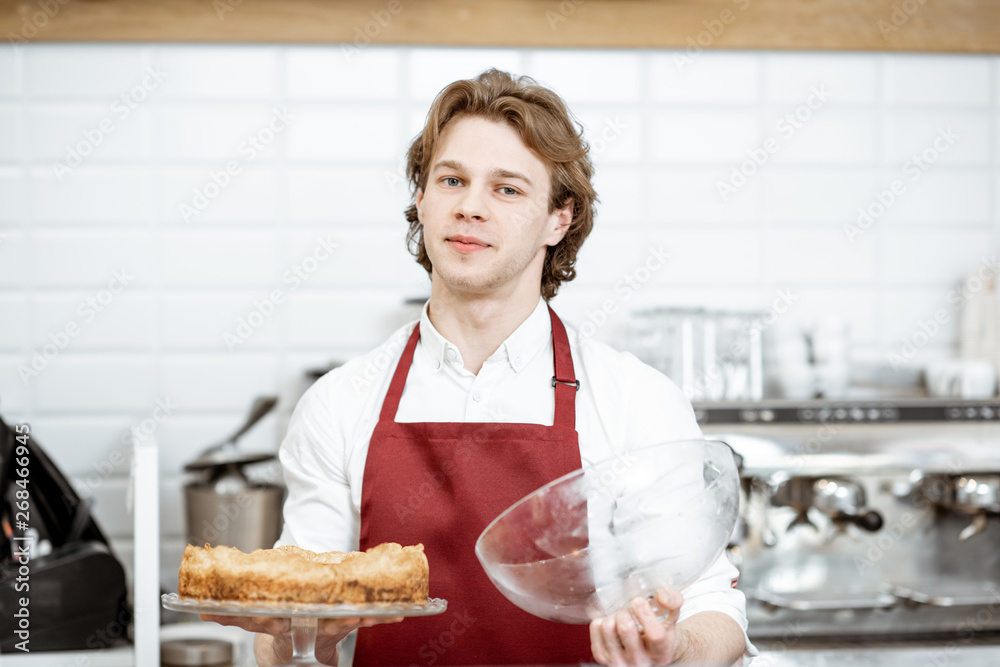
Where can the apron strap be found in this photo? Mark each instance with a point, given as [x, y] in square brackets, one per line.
[391, 403]
[563, 379]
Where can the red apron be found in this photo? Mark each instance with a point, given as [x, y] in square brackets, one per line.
[441, 484]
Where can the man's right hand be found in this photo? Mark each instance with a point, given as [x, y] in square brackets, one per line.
[273, 644]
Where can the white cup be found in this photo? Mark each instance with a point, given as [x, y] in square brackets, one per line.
[961, 378]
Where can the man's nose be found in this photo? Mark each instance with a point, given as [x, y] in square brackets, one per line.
[472, 205]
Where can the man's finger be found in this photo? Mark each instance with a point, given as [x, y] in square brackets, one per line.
[597, 643]
[652, 629]
[333, 626]
[628, 635]
[670, 601]
[612, 644]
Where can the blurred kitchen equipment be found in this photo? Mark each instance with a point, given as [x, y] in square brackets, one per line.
[196, 652]
[225, 451]
[972, 494]
[961, 378]
[69, 595]
[711, 356]
[979, 328]
[789, 362]
[842, 500]
[316, 373]
[585, 544]
[809, 361]
[904, 497]
[410, 311]
[222, 505]
[831, 357]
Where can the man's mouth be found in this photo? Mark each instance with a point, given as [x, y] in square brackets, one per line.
[466, 243]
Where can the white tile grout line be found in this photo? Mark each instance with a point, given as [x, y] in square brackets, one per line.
[993, 134]
[29, 237]
[881, 296]
[283, 207]
[763, 221]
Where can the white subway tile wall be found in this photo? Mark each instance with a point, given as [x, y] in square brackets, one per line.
[199, 225]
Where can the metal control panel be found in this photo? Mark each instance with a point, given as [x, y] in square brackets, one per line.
[848, 412]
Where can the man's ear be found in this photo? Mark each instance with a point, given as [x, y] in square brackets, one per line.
[418, 201]
[561, 219]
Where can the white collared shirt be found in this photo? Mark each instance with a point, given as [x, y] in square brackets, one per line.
[622, 404]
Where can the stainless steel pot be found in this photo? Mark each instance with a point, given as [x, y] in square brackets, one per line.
[223, 507]
[230, 510]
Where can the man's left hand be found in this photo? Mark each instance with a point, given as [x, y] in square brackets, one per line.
[618, 640]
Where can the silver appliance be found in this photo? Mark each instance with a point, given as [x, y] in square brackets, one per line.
[222, 504]
[866, 520]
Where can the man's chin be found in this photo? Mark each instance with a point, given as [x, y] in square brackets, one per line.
[465, 282]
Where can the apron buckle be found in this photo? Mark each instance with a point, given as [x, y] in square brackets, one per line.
[573, 383]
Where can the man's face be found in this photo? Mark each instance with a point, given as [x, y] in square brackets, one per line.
[484, 210]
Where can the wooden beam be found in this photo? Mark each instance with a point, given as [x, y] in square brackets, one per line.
[969, 26]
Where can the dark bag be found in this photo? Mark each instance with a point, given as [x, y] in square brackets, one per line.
[72, 598]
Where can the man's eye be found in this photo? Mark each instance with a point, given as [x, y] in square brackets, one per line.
[507, 190]
[452, 181]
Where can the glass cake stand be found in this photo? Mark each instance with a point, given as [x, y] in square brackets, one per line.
[304, 617]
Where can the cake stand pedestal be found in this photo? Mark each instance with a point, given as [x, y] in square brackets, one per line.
[304, 617]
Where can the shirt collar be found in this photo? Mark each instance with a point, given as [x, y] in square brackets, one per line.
[519, 348]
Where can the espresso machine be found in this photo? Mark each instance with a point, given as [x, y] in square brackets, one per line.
[866, 520]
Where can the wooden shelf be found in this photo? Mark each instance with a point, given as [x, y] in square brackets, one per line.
[968, 26]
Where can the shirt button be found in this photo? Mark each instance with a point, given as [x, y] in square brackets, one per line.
[476, 396]
[517, 362]
[451, 353]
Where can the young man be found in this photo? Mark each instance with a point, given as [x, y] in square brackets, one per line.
[489, 396]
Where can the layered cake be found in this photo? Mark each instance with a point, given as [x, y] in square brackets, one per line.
[385, 573]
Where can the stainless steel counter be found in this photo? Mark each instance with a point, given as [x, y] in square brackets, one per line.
[930, 653]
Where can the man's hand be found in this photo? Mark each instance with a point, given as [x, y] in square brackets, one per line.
[273, 644]
[618, 641]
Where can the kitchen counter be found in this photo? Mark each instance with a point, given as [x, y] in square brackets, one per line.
[982, 653]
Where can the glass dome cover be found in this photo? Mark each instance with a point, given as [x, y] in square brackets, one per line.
[585, 544]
